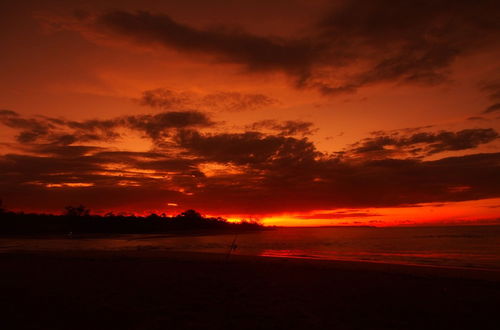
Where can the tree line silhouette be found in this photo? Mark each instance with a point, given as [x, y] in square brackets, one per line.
[78, 219]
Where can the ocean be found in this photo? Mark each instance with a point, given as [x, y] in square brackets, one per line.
[475, 247]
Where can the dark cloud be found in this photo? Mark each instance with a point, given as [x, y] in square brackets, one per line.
[168, 99]
[476, 118]
[422, 143]
[92, 125]
[5, 112]
[55, 130]
[62, 150]
[158, 125]
[245, 148]
[30, 129]
[91, 165]
[102, 178]
[154, 126]
[408, 42]
[404, 42]
[59, 131]
[233, 101]
[492, 108]
[163, 98]
[235, 46]
[288, 127]
[492, 89]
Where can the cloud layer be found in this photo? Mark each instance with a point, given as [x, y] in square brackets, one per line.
[248, 172]
[59, 131]
[421, 144]
[492, 89]
[356, 43]
[168, 99]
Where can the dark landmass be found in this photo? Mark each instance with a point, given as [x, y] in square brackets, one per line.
[148, 290]
[78, 220]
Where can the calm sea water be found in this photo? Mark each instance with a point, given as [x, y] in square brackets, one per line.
[461, 246]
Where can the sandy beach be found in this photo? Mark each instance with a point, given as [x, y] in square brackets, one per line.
[153, 290]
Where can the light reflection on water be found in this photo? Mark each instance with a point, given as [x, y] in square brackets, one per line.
[467, 246]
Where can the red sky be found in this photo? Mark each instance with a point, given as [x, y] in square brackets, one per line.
[293, 112]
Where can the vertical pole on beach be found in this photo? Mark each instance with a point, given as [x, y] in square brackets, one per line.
[232, 247]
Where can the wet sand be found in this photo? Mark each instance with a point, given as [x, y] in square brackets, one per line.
[158, 290]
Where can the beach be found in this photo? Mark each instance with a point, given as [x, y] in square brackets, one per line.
[183, 290]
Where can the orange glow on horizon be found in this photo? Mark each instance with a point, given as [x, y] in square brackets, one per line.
[457, 213]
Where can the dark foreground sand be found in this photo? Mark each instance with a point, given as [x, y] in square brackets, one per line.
[106, 290]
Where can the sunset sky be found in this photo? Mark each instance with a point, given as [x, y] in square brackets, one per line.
[293, 112]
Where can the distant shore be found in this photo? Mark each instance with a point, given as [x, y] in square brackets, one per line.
[183, 290]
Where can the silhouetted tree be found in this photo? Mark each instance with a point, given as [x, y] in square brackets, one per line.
[77, 211]
[153, 217]
[190, 215]
[77, 219]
